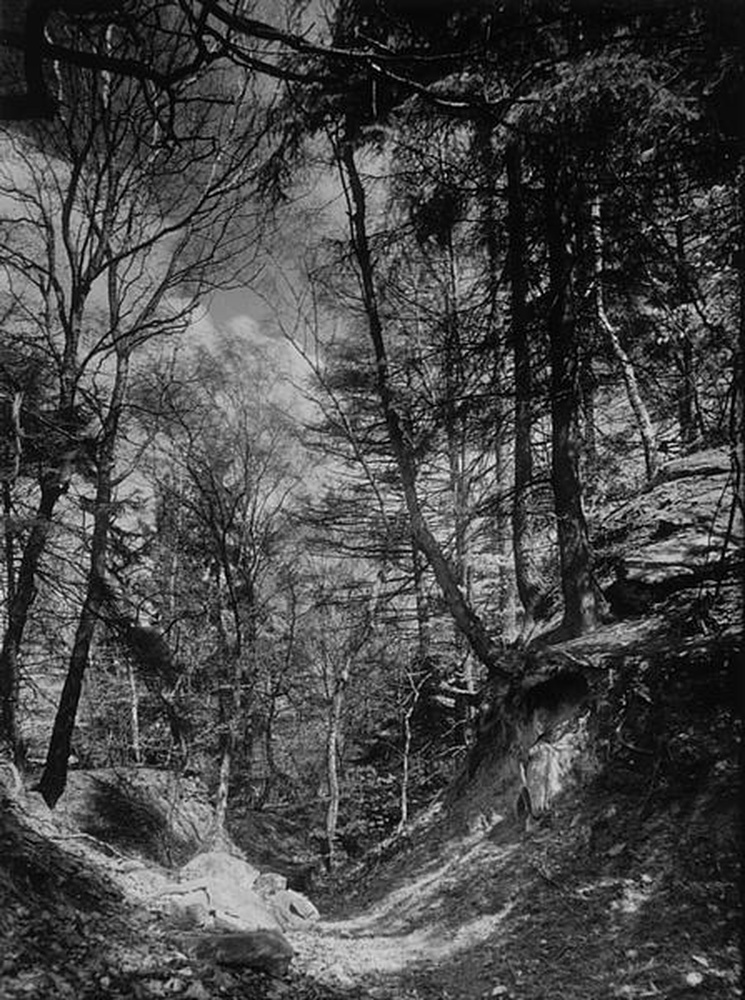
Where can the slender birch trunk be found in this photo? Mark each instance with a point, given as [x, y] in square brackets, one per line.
[628, 374]
[333, 741]
[134, 714]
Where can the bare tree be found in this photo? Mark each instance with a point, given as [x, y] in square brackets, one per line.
[640, 411]
[226, 466]
[112, 231]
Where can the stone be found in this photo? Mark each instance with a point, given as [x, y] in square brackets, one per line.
[189, 910]
[292, 909]
[265, 950]
[268, 883]
[215, 888]
[220, 864]
[548, 765]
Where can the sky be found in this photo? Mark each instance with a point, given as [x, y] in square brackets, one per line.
[264, 312]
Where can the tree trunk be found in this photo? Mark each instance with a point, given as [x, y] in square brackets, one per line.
[588, 386]
[456, 434]
[500, 415]
[487, 650]
[689, 413]
[226, 696]
[9, 546]
[580, 601]
[423, 633]
[641, 414]
[54, 777]
[417, 681]
[134, 714]
[690, 418]
[736, 422]
[527, 575]
[20, 606]
[332, 759]
[404, 820]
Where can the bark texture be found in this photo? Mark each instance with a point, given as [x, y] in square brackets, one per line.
[527, 575]
[580, 601]
[54, 777]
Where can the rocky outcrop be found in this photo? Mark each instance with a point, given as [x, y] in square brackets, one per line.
[291, 909]
[218, 890]
[550, 736]
[548, 764]
[215, 890]
[684, 521]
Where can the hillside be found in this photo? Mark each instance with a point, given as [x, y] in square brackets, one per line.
[625, 885]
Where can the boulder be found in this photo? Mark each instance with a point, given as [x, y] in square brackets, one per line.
[265, 950]
[190, 909]
[220, 865]
[216, 888]
[292, 909]
[268, 883]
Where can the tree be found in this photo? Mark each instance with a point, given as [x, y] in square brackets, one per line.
[466, 618]
[110, 246]
[227, 469]
[588, 112]
[523, 530]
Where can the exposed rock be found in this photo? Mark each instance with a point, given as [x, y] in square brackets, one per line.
[268, 883]
[710, 462]
[548, 764]
[266, 950]
[292, 909]
[196, 991]
[191, 910]
[677, 526]
[550, 738]
[215, 890]
[220, 865]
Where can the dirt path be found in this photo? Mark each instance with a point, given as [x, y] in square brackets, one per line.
[602, 905]
[436, 914]
[574, 912]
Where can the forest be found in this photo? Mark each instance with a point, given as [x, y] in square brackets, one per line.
[362, 364]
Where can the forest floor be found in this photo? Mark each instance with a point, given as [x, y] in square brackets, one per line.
[618, 897]
[603, 906]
